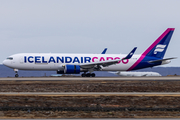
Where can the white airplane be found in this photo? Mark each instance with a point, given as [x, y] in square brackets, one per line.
[137, 74]
[76, 63]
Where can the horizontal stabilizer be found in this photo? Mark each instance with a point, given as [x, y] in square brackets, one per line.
[154, 61]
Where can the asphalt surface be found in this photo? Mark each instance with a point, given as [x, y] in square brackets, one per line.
[90, 78]
[94, 93]
[102, 119]
[133, 100]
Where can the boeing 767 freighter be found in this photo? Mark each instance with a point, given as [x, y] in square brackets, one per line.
[87, 63]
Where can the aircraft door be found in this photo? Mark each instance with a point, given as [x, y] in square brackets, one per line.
[21, 59]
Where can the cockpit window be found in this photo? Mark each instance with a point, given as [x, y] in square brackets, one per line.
[9, 58]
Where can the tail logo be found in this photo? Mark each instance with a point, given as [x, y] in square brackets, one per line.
[159, 48]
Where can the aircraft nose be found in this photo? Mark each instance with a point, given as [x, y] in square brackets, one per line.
[5, 62]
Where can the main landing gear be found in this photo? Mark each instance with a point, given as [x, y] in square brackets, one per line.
[88, 75]
[16, 72]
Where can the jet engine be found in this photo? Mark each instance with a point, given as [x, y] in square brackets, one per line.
[70, 69]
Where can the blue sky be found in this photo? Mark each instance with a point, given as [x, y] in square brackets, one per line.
[87, 26]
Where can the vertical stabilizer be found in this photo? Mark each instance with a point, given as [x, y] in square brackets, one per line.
[159, 47]
[154, 52]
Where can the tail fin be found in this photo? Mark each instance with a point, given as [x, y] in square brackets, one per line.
[159, 47]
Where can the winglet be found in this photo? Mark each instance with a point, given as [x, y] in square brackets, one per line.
[104, 51]
[130, 54]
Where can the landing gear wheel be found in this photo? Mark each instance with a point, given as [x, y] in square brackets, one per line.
[16, 75]
[88, 75]
[83, 75]
[16, 72]
[93, 74]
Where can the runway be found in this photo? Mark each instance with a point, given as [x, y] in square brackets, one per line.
[89, 78]
[92, 93]
[77, 97]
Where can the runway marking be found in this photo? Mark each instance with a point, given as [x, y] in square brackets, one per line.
[89, 78]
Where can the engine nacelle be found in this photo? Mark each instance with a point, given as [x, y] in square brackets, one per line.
[70, 69]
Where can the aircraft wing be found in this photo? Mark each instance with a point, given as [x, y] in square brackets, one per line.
[154, 61]
[103, 63]
[96, 65]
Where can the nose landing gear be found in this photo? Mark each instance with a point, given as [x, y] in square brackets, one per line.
[16, 75]
[16, 72]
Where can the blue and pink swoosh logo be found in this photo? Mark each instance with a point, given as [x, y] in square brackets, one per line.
[150, 48]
